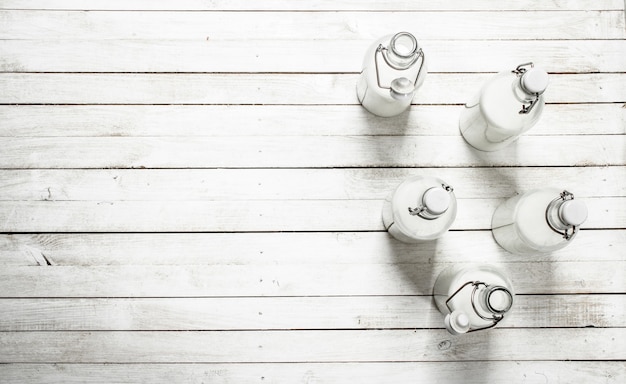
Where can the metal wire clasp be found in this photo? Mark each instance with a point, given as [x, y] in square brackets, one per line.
[497, 315]
[567, 235]
[415, 55]
[519, 71]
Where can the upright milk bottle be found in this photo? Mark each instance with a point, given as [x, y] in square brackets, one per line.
[393, 69]
[508, 105]
[420, 209]
[472, 298]
[538, 221]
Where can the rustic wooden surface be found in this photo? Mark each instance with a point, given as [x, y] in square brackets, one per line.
[190, 192]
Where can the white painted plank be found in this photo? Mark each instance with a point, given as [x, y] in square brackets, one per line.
[38, 88]
[305, 152]
[312, 346]
[281, 120]
[312, 56]
[528, 25]
[453, 372]
[292, 313]
[285, 249]
[535, 277]
[252, 215]
[317, 5]
[294, 184]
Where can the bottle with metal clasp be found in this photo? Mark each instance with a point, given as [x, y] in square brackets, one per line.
[538, 221]
[472, 298]
[419, 209]
[393, 69]
[507, 105]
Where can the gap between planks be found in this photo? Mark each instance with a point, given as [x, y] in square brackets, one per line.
[285, 248]
[318, 5]
[304, 56]
[249, 216]
[294, 184]
[267, 120]
[293, 313]
[320, 89]
[453, 372]
[528, 25]
[536, 277]
[321, 346]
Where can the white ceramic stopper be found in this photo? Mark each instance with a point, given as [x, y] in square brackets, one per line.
[436, 200]
[402, 88]
[457, 322]
[573, 212]
[535, 80]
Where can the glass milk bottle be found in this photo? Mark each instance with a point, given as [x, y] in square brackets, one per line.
[393, 69]
[508, 105]
[538, 221]
[420, 209]
[472, 298]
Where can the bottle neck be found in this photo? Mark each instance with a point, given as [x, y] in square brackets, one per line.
[520, 93]
[554, 217]
[565, 215]
[402, 51]
[493, 300]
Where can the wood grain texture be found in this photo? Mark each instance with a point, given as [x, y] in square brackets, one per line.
[321, 346]
[318, 5]
[281, 120]
[527, 25]
[476, 372]
[305, 152]
[190, 192]
[44, 88]
[313, 56]
[284, 248]
[534, 277]
[294, 184]
[250, 216]
[292, 313]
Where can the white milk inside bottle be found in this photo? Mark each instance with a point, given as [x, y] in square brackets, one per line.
[538, 221]
[508, 105]
[420, 209]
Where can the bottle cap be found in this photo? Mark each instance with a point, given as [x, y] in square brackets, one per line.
[457, 322]
[573, 212]
[402, 88]
[436, 200]
[499, 300]
[535, 80]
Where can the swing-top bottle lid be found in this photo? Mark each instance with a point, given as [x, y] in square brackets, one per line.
[402, 88]
[457, 322]
[436, 200]
[573, 212]
[535, 80]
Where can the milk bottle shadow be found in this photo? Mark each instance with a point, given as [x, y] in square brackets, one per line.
[384, 138]
[502, 158]
[415, 268]
[415, 264]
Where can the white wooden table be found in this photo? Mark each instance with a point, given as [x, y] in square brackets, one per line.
[190, 193]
